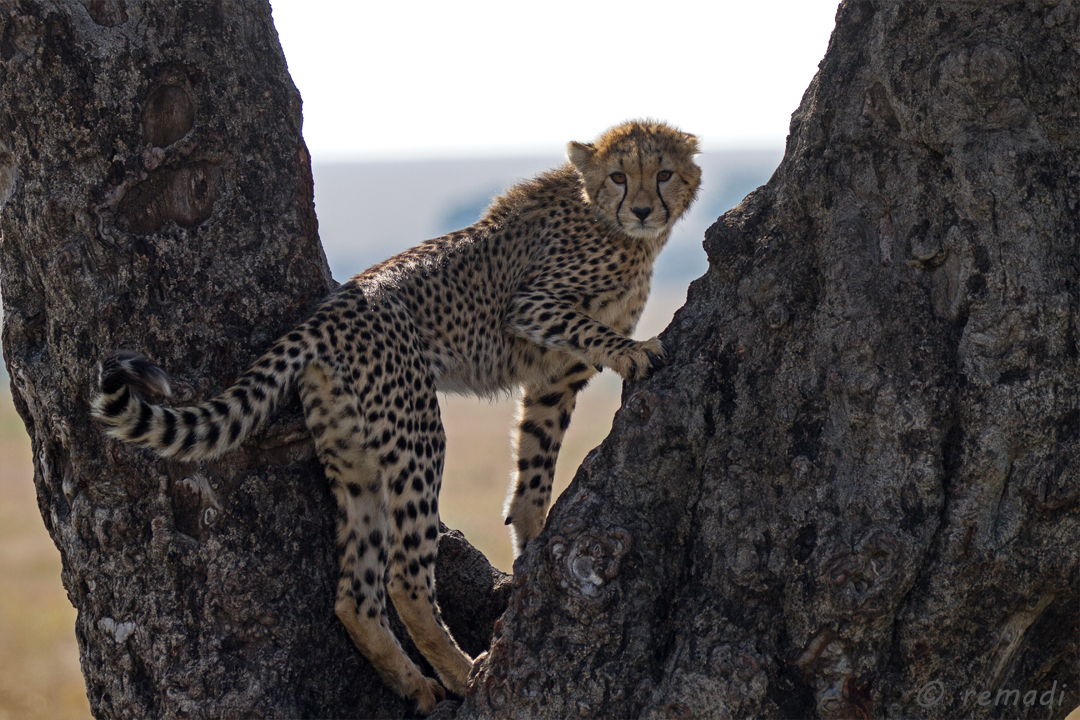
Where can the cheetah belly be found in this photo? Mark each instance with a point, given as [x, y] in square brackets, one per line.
[506, 363]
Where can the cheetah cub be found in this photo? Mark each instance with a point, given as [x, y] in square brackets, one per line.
[540, 294]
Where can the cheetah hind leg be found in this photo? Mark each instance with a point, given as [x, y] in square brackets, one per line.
[414, 509]
[363, 536]
[544, 416]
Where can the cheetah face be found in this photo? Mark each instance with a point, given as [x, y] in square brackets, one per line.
[639, 176]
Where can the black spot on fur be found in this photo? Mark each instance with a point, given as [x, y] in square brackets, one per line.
[169, 436]
[213, 432]
[538, 432]
[241, 397]
[118, 404]
[579, 385]
[146, 414]
[112, 382]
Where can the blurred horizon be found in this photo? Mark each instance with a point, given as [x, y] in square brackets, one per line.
[370, 210]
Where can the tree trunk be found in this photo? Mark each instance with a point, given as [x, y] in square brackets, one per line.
[161, 200]
[853, 492]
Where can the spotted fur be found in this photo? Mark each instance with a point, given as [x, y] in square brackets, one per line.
[540, 294]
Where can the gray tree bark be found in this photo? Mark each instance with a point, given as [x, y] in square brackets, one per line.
[854, 491]
[161, 200]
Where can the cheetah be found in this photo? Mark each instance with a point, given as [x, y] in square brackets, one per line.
[539, 295]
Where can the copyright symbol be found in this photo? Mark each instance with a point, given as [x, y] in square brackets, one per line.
[931, 694]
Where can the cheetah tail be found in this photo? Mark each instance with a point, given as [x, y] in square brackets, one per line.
[197, 432]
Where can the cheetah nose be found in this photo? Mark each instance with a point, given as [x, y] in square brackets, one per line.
[641, 212]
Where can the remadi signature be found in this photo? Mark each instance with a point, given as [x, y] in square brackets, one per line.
[934, 693]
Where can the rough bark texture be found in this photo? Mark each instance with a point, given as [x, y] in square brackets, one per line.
[858, 476]
[163, 202]
[852, 493]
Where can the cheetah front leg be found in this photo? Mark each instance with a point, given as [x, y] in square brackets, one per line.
[543, 418]
[536, 316]
[364, 533]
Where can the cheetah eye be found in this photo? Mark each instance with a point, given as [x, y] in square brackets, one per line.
[664, 175]
[618, 178]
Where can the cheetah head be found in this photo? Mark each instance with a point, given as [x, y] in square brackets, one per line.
[639, 176]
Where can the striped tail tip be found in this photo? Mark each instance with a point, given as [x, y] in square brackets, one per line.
[119, 375]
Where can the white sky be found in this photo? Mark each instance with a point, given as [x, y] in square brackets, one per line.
[391, 79]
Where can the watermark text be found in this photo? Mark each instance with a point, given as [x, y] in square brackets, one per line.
[934, 693]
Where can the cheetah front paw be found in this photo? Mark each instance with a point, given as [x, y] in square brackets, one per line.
[640, 360]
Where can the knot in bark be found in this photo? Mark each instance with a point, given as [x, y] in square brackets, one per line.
[582, 564]
[989, 68]
[863, 580]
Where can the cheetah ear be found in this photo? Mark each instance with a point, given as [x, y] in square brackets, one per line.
[580, 155]
[691, 143]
